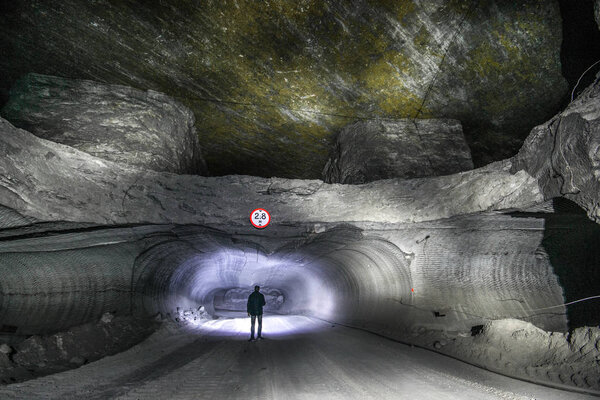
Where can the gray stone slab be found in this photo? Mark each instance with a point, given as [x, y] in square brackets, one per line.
[368, 151]
[145, 129]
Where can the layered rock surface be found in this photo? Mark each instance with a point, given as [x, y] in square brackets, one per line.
[145, 129]
[429, 265]
[372, 150]
[270, 83]
[435, 278]
[518, 348]
[51, 182]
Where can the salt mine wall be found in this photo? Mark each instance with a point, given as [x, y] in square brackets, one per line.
[422, 260]
[392, 280]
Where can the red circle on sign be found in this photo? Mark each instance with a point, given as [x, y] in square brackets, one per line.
[260, 218]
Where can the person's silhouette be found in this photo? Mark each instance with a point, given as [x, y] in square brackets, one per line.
[256, 301]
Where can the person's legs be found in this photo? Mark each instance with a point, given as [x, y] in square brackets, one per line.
[259, 325]
[253, 319]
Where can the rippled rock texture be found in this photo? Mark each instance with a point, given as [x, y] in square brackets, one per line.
[518, 348]
[270, 83]
[372, 150]
[145, 129]
[435, 279]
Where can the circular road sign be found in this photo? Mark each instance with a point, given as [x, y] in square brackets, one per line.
[260, 218]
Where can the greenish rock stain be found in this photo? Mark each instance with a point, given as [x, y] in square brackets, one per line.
[270, 83]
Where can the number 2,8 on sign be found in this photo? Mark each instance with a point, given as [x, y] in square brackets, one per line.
[260, 218]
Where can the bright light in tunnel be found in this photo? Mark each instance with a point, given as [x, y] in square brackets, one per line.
[304, 288]
[274, 326]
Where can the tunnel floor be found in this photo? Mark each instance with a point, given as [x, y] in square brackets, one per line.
[301, 358]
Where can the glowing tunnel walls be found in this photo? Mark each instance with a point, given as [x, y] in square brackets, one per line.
[449, 274]
[201, 265]
[337, 275]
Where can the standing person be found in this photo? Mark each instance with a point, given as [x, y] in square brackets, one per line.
[256, 301]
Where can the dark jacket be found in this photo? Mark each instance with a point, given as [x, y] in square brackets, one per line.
[256, 301]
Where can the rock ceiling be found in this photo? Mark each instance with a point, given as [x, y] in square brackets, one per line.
[271, 83]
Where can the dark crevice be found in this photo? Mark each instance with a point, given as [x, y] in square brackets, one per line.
[20, 233]
[571, 242]
[581, 43]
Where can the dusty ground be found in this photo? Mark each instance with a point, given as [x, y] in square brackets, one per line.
[518, 348]
[301, 358]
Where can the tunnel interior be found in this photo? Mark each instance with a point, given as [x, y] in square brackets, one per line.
[153, 248]
[461, 268]
[416, 283]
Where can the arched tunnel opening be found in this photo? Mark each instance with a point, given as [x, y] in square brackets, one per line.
[337, 275]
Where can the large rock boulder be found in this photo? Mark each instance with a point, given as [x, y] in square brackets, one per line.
[146, 129]
[371, 150]
[564, 153]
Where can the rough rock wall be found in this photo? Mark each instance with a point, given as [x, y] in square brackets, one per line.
[10, 218]
[145, 129]
[37, 178]
[344, 274]
[563, 154]
[269, 83]
[394, 278]
[51, 182]
[372, 150]
[62, 279]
